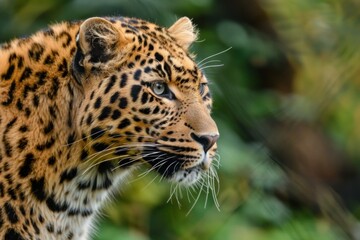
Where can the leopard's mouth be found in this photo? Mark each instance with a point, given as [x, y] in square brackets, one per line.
[172, 167]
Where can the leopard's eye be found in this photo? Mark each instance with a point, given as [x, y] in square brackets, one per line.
[161, 89]
[158, 88]
[202, 88]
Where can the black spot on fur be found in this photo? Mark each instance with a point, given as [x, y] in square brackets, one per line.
[137, 74]
[138, 129]
[23, 128]
[135, 90]
[167, 70]
[8, 147]
[11, 193]
[114, 97]
[41, 77]
[147, 70]
[48, 128]
[104, 184]
[123, 102]
[36, 228]
[156, 110]
[145, 110]
[116, 114]
[27, 112]
[54, 88]
[99, 146]
[123, 81]
[159, 57]
[71, 139]
[83, 155]
[96, 132]
[26, 168]
[49, 32]
[124, 123]
[92, 95]
[89, 119]
[105, 167]
[63, 68]
[52, 111]
[36, 51]
[67, 38]
[46, 145]
[38, 188]
[83, 212]
[41, 218]
[19, 105]
[36, 100]
[131, 65]
[20, 62]
[110, 84]
[56, 206]
[84, 185]
[50, 228]
[22, 210]
[9, 73]
[2, 190]
[144, 97]
[97, 103]
[25, 74]
[22, 143]
[68, 175]
[12, 234]
[105, 113]
[10, 97]
[11, 213]
[51, 160]
[70, 236]
[126, 162]
[50, 59]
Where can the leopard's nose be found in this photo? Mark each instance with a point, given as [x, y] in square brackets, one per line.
[207, 141]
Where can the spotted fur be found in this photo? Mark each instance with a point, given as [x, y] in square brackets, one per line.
[81, 105]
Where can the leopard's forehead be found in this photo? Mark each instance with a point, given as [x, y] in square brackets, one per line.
[152, 47]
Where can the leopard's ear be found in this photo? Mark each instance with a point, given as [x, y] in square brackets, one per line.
[99, 38]
[98, 41]
[184, 32]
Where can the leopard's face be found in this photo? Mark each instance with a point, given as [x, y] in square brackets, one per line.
[145, 98]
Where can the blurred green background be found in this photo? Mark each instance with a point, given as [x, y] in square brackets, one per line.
[287, 105]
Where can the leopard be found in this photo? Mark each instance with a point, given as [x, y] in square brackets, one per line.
[82, 105]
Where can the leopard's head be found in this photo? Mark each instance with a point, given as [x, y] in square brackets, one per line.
[145, 99]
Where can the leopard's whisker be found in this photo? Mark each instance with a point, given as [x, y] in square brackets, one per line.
[133, 159]
[110, 150]
[212, 66]
[84, 138]
[214, 55]
[207, 188]
[205, 63]
[213, 188]
[178, 192]
[157, 165]
[149, 183]
[173, 192]
[166, 170]
[154, 166]
[196, 200]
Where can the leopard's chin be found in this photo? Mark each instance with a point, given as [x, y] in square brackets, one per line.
[187, 177]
